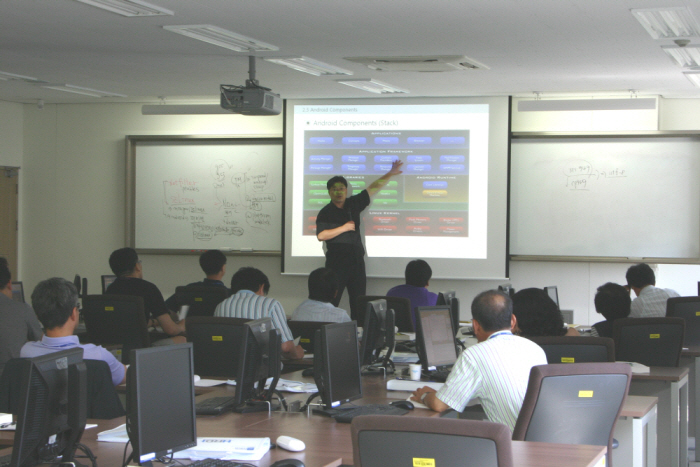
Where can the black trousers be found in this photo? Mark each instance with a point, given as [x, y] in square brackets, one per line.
[351, 274]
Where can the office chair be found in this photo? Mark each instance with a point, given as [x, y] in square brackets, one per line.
[116, 320]
[387, 441]
[401, 306]
[649, 341]
[573, 349]
[102, 398]
[687, 308]
[202, 300]
[215, 343]
[306, 332]
[576, 403]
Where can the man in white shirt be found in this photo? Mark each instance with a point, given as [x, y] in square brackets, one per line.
[496, 370]
[650, 301]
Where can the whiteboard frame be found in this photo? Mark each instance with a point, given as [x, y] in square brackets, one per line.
[593, 135]
[132, 142]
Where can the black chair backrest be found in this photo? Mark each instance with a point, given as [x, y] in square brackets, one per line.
[116, 320]
[215, 344]
[202, 300]
[103, 401]
[400, 305]
[306, 332]
[573, 349]
[649, 341]
[687, 308]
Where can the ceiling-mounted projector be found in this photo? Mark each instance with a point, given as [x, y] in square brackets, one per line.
[251, 99]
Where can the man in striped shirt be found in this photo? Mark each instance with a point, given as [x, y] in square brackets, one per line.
[250, 287]
[496, 370]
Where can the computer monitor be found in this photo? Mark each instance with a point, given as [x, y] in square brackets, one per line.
[553, 294]
[449, 298]
[107, 281]
[378, 333]
[18, 291]
[507, 289]
[337, 364]
[435, 339]
[52, 408]
[160, 408]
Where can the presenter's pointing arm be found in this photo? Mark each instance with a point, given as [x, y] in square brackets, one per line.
[381, 181]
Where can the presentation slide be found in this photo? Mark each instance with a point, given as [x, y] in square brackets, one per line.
[437, 208]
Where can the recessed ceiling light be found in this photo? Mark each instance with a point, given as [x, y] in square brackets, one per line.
[129, 7]
[13, 77]
[372, 85]
[693, 76]
[686, 57]
[81, 90]
[222, 38]
[668, 23]
[308, 65]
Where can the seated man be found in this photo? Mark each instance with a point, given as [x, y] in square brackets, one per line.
[127, 267]
[650, 301]
[250, 287]
[55, 301]
[536, 315]
[19, 322]
[418, 274]
[496, 370]
[213, 263]
[613, 302]
[323, 287]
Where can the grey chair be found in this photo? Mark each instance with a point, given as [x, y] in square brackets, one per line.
[574, 349]
[401, 306]
[306, 332]
[687, 308]
[576, 403]
[216, 343]
[649, 341]
[391, 441]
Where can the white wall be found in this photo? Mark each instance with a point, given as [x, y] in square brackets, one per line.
[72, 208]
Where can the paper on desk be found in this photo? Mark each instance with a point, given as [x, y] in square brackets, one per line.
[638, 368]
[308, 355]
[404, 357]
[207, 383]
[249, 449]
[232, 382]
[115, 435]
[408, 385]
[288, 385]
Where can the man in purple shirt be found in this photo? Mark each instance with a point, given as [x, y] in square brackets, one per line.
[418, 274]
[55, 302]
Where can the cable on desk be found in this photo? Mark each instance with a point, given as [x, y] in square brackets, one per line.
[88, 453]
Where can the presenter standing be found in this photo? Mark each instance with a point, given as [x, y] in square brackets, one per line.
[338, 224]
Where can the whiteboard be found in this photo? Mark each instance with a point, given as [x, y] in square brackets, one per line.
[624, 197]
[198, 194]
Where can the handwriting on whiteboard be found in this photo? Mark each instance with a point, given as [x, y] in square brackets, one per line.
[582, 175]
[226, 203]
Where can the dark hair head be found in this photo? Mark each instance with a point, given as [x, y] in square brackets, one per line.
[323, 285]
[493, 310]
[336, 179]
[212, 261]
[5, 275]
[640, 275]
[123, 261]
[249, 278]
[418, 273]
[612, 301]
[537, 314]
[53, 301]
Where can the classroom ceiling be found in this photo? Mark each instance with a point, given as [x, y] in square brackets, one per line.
[555, 47]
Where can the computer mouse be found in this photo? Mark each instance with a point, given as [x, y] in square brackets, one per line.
[408, 405]
[308, 372]
[288, 463]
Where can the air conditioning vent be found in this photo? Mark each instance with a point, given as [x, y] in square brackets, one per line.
[437, 63]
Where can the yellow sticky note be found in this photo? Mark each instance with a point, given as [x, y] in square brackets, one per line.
[305, 341]
[697, 313]
[585, 393]
[198, 299]
[418, 462]
[217, 338]
[109, 308]
[654, 336]
[567, 359]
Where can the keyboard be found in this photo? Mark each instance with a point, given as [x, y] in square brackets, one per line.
[346, 415]
[215, 463]
[439, 375]
[215, 406]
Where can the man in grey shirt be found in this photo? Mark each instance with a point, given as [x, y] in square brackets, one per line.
[323, 287]
[19, 322]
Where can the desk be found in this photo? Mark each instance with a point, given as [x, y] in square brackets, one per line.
[671, 387]
[637, 418]
[690, 358]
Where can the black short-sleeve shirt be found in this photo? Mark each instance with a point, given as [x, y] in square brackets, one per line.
[152, 298]
[331, 217]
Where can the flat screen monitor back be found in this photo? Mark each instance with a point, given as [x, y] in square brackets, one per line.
[107, 281]
[553, 294]
[435, 337]
[377, 333]
[258, 360]
[18, 291]
[160, 401]
[337, 364]
[450, 298]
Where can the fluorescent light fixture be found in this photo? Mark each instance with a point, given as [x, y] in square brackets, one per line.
[560, 105]
[693, 76]
[81, 90]
[129, 7]
[13, 77]
[686, 57]
[372, 85]
[222, 38]
[668, 23]
[308, 65]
